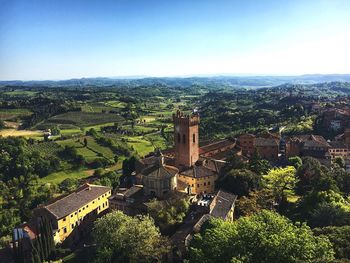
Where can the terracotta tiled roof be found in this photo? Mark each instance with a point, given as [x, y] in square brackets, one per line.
[263, 142]
[216, 145]
[310, 140]
[198, 171]
[72, 202]
[223, 203]
[338, 145]
[160, 171]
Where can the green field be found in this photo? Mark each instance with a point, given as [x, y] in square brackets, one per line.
[140, 144]
[115, 104]
[92, 151]
[83, 119]
[44, 148]
[58, 177]
[9, 114]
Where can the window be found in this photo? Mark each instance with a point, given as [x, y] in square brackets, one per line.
[83, 208]
[72, 226]
[197, 185]
[183, 138]
[71, 215]
[178, 137]
[205, 184]
[194, 138]
[103, 205]
[87, 206]
[79, 210]
[93, 202]
[65, 230]
[75, 213]
[208, 183]
[64, 219]
[192, 185]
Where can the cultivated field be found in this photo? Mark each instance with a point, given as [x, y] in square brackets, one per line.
[16, 133]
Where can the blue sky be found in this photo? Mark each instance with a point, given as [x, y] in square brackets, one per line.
[46, 39]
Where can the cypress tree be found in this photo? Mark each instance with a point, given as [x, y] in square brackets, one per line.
[15, 247]
[50, 239]
[20, 254]
[40, 247]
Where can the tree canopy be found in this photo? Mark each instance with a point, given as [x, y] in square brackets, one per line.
[121, 238]
[263, 237]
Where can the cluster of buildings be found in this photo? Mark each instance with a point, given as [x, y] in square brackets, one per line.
[189, 170]
[186, 170]
[275, 148]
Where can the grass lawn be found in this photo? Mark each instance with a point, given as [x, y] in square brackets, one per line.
[84, 151]
[71, 131]
[58, 177]
[92, 150]
[140, 144]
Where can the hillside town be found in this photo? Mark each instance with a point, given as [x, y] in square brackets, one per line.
[187, 170]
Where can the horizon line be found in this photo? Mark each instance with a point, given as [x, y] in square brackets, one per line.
[139, 77]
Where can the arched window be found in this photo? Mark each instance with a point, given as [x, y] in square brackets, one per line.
[183, 138]
[194, 138]
[178, 137]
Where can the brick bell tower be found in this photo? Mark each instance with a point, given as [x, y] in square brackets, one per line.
[186, 138]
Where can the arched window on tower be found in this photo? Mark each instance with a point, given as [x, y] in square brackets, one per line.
[194, 138]
[183, 138]
[178, 137]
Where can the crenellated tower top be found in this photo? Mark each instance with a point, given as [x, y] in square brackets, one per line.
[187, 119]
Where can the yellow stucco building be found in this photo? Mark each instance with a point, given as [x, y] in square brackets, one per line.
[71, 214]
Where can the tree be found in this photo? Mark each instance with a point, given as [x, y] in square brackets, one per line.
[281, 181]
[327, 214]
[342, 178]
[85, 142]
[340, 238]
[254, 202]
[259, 165]
[68, 185]
[170, 213]
[240, 182]
[2, 124]
[129, 166]
[261, 238]
[340, 161]
[314, 176]
[121, 238]
[295, 161]
[320, 207]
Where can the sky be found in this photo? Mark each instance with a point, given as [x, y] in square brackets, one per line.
[46, 39]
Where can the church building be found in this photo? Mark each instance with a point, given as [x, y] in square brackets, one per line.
[188, 167]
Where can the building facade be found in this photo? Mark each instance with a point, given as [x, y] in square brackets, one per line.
[67, 213]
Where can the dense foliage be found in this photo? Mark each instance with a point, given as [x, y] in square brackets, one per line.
[263, 237]
[120, 238]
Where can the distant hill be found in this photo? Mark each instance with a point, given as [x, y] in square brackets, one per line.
[216, 81]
